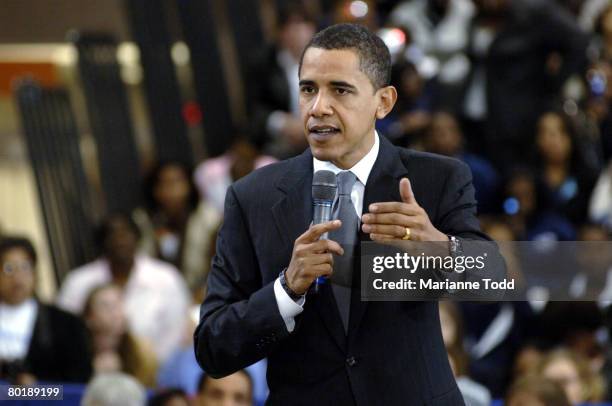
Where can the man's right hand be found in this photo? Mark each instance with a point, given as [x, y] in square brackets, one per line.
[312, 257]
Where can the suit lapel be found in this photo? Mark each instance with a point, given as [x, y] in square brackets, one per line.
[382, 186]
[293, 212]
[293, 215]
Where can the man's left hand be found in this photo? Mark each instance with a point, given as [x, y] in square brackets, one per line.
[390, 220]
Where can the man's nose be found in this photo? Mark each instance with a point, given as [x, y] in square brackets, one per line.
[322, 105]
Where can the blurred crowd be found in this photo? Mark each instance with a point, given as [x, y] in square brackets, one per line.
[517, 89]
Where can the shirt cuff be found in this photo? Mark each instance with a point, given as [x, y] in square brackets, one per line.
[287, 307]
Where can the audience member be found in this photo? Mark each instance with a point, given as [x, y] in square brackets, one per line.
[444, 137]
[169, 397]
[522, 52]
[500, 231]
[565, 180]
[155, 295]
[473, 393]
[215, 175]
[595, 118]
[114, 348]
[411, 116]
[572, 372]
[525, 207]
[181, 370]
[233, 390]
[38, 342]
[603, 31]
[114, 389]
[494, 333]
[272, 85]
[536, 391]
[175, 226]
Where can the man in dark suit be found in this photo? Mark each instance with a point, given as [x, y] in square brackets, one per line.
[321, 348]
[38, 342]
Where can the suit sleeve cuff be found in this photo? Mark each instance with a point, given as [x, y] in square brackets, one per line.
[287, 307]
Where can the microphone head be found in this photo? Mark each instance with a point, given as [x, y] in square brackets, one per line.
[324, 185]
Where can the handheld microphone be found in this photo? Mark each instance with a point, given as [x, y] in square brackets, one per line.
[324, 187]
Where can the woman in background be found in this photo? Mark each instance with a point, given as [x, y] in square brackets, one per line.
[176, 227]
[574, 375]
[115, 349]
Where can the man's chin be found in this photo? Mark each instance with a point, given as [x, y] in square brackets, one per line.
[322, 154]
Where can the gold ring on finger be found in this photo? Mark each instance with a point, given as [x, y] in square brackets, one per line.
[407, 235]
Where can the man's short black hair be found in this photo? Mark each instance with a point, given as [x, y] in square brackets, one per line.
[203, 380]
[103, 230]
[374, 56]
[8, 243]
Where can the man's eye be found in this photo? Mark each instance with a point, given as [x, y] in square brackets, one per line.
[307, 89]
[342, 91]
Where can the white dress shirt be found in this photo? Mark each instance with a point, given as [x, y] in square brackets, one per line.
[288, 307]
[156, 299]
[16, 328]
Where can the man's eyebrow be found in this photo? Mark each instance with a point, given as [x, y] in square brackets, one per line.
[340, 83]
[306, 82]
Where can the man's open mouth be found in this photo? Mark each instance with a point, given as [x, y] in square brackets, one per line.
[323, 130]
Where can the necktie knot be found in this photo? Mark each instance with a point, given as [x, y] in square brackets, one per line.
[346, 180]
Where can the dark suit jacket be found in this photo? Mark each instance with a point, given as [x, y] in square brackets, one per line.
[59, 349]
[393, 354]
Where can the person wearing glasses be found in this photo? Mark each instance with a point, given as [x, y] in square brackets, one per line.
[38, 342]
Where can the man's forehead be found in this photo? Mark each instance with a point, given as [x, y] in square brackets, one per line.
[331, 64]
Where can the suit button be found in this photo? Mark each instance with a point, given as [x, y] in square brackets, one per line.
[351, 361]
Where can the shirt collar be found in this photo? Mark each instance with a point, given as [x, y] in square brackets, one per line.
[361, 169]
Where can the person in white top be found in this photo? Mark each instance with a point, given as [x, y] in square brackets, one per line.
[156, 296]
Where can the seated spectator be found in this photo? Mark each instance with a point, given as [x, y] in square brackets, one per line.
[175, 226]
[169, 397]
[114, 348]
[522, 53]
[114, 389]
[600, 206]
[213, 176]
[235, 390]
[407, 122]
[527, 361]
[272, 85]
[444, 137]
[572, 372]
[575, 325]
[500, 231]
[536, 391]
[565, 180]
[494, 332]
[181, 370]
[526, 211]
[38, 342]
[473, 393]
[155, 295]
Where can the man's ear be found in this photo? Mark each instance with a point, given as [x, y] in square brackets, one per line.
[388, 97]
